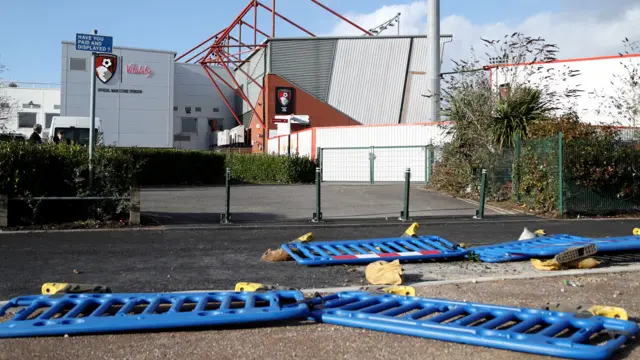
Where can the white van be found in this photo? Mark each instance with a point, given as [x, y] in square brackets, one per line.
[75, 128]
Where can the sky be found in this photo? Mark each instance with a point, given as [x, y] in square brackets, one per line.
[31, 30]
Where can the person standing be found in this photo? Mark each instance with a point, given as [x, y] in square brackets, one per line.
[59, 138]
[35, 136]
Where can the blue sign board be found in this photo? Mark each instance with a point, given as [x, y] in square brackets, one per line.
[94, 43]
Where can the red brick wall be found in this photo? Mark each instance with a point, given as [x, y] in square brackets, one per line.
[320, 113]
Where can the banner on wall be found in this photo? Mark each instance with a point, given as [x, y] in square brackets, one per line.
[285, 99]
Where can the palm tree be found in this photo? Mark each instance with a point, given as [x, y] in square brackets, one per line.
[516, 112]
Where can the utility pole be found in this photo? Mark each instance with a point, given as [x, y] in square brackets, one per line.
[92, 113]
[433, 63]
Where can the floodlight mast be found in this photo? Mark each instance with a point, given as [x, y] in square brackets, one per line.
[230, 47]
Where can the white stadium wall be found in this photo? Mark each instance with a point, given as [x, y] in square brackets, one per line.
[346, 149]
[597, 79]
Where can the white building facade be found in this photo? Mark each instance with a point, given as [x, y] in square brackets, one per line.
[144, 98]
[591, 83]
[28, 104]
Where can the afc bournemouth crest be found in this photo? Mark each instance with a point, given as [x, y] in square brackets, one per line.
[106, 65]
[284, 100]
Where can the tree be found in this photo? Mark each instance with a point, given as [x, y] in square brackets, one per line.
[622, 103]
[487, 111]
[486, 118]
[516, 113]
[6, 104]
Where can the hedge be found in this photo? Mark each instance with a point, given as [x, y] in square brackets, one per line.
[278, 169]
[197, 167]
[176, 167]
[50, 170]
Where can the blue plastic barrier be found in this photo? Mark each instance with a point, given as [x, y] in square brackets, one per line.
[549, 246]
[109, 313]
[370, 250]
[509, 328]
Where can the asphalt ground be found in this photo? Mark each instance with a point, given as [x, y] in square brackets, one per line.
[274, 203]
[208, 259]
[309, 341]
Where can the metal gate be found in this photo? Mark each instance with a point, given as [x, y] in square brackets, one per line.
[509, 328]
[376, 163]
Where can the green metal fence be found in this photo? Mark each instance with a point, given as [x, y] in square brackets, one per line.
[601, 179]
[373, 164]
[592, 177]
[537, 174]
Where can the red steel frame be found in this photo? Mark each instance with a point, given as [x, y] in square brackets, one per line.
[229, 51]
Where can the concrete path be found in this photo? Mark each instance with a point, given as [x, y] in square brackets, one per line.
[260, 203]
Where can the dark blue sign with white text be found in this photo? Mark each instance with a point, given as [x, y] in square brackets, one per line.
[94, 43]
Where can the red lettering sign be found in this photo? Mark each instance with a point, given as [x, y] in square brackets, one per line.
[136, 69]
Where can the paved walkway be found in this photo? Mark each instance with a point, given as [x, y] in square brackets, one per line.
[255, 203]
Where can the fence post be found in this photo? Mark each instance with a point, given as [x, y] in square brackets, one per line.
[404, 214]
[134, 206]
[432, 159]
[226, 217]
[4, 211]
[517, 168]
[483, 186]
[427, 173]
[317, 216]
[372, 157]
[560, 173]
[319, 155]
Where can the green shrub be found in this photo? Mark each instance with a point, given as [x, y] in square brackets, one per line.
[197, 167]
[51, 170]
[177, 167]
[277, 169]
[539, 174]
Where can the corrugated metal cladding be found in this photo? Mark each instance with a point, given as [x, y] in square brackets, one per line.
[368, 78]
[255, 67]
[246, 119]
[305, 63]
[415, 109]
[415, 105]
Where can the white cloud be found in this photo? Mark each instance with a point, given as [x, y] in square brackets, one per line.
[586, 28]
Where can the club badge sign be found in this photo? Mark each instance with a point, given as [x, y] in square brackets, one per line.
[285, 98]
[106, 66]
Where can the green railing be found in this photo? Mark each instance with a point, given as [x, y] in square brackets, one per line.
[537, 173]
[572, 176]
[601, 178]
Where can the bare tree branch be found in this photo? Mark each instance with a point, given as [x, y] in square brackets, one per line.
[623, 103]
[7, 104]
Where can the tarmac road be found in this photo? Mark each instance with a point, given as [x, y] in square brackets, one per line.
[177, 260]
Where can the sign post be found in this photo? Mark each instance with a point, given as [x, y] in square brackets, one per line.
[95, 44]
